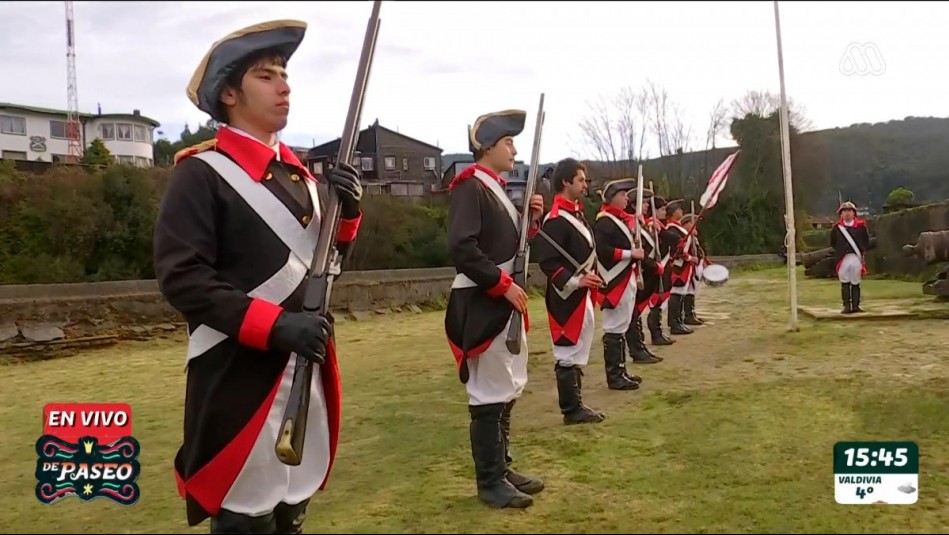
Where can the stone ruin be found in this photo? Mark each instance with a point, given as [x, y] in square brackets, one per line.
[932, 247]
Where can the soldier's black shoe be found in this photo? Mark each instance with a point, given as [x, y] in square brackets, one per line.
[654, 321]
[614, 355]
[690, 317]
[636, 341]
[487, 450]
[571, 404]
[525, 484]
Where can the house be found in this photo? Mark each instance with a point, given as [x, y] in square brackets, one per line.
[391, 162]
[36, 134]
[516, 179]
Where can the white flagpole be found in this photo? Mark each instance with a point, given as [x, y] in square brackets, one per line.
[788, 189]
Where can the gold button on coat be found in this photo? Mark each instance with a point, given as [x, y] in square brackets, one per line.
[269, 176]
[295, 177]
[306, 219]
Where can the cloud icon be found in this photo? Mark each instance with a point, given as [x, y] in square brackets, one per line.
[908, 489]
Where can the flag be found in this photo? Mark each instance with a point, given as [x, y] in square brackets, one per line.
[717, 183]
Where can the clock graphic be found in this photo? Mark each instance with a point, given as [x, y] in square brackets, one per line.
[876, 472]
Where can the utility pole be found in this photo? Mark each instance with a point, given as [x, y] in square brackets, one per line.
[788, 188]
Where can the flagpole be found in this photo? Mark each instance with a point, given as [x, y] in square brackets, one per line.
[788, 189]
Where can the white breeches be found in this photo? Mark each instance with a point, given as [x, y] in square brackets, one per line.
[851, 269]
[691, 287]
[579, 354]
[497, 376]
[264, 481]
[617, 320]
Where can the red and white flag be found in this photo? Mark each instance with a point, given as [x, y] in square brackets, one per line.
[717, 183]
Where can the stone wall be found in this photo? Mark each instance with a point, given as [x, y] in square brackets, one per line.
[99, 306]
[897, 229]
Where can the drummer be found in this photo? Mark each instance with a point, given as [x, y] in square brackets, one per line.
[692, 287]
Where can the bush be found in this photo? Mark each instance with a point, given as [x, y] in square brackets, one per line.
[70, 225]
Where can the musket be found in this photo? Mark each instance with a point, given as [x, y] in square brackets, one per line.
[326, 263]
[519, 273]
[637, 236]
[655, 235]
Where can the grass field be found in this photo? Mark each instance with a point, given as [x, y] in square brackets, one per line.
[732, 432]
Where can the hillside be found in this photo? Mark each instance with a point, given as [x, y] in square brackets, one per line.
[864, 162]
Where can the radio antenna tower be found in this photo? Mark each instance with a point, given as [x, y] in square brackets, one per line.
[72, 91]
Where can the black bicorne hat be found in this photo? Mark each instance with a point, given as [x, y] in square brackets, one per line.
[283, 37]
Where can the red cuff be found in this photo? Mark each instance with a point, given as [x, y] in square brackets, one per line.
[501, 286]
[532, 231]
[617, 255]
[347, 229]
[259, 319]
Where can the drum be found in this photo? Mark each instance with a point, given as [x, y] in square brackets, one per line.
[715, 274]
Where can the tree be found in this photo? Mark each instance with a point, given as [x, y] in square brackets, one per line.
[764, 103]
[96, 157]
[164, 150]
[615, 131]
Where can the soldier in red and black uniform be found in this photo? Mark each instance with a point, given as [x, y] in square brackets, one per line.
[682, 263]
[235, 236]
[570, 287]
[850, 240]
[483, 242]
[618, 263]
[657, 275]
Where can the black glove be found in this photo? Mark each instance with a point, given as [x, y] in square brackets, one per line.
[303, 333]
[347, 181]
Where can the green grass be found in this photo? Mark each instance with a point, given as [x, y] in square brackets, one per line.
[732, 432]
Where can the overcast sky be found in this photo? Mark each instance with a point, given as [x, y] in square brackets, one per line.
[439, 65]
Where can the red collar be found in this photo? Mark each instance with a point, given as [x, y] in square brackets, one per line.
[469, 172]
[562, 203]
[857, 223]
[622, 214]
[253, 156]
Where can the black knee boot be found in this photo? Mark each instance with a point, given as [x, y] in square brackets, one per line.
[654, 321]
[230, 522]
[525, 484]
[569, 386]
[289, 518]
[675, 315]
[635, 341]
[689, 317]
[846, 297]
[614, 355]
[855, 298]
[487, 450]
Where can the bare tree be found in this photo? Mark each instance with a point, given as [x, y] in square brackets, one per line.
[717, 123]
[614, 130]
[764, 103]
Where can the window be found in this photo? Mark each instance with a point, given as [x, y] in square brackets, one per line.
[60, 158]
[123, 132]
[12, 125]
[141, 133]
[390, 163]
[57, 130]
[373, 189]
[416, 190]
[429, 163]
[356, 160]
[405, 164]
[317, 168]
[124, 160]
[367, 164]
[141, 161]
[14, 155]
[106, 131]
